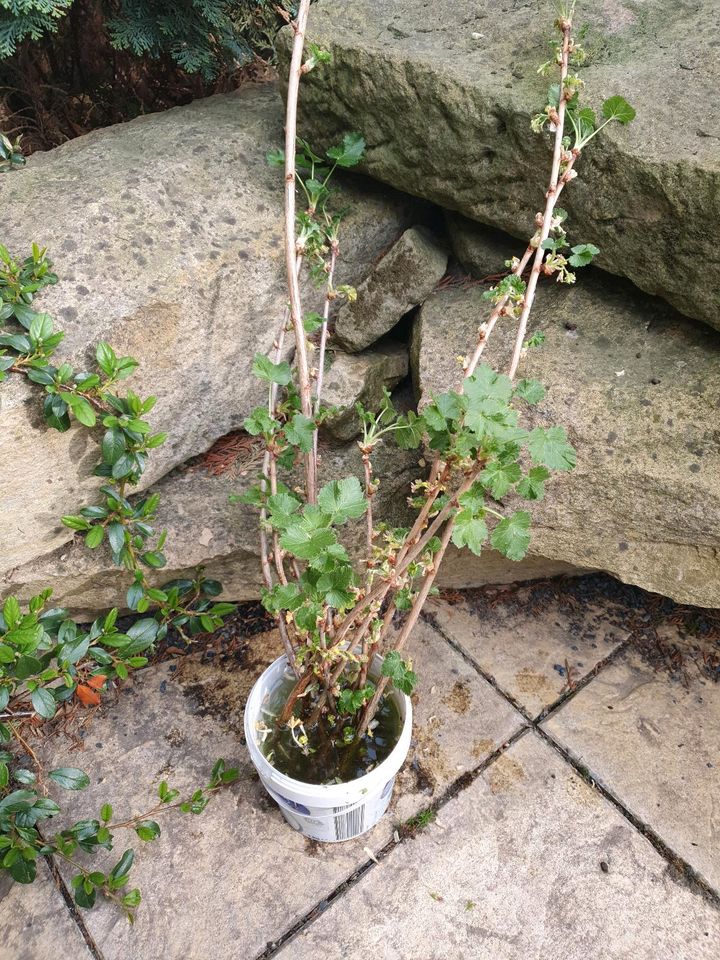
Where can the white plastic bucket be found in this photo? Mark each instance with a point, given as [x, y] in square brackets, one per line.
[327, 812]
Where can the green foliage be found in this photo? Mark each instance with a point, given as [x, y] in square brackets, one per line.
[582, 254]
[11, 155]
[512, 535]
[49, 663]
[350, 701]
[399, 672]
[342, 500]
[24, 833]
[28, 19]
[201, 36]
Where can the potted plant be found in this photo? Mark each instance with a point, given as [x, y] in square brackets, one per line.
[328, 724]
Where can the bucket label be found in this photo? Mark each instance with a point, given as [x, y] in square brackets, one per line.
[348, 823]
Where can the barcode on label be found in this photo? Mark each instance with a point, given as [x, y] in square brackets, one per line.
[350, 823]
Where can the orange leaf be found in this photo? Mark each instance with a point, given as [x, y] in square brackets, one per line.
[97, 682]
[86, 695]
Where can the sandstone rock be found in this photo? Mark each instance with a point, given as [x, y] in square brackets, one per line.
[637, 387]
[204, 528]
[166, 234]
[443, 93]
[361, 378]
[403, 278]
[480, 250]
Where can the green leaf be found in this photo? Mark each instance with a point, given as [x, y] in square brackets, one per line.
[74, 650]
[532, 486]
[23, 871]
[350, 701]
[18, 342]
[123, 466]
[94, 537]
[259, 421]
[132, 899]
[83, 897]
[154, 558]
[116, 536]
[18, 800]
[498, 477]
[402, 677]
[275, 158]
[24, 776]
[122, 867]
[143, 631]
[41, 375]
[512, 535]
[342, 500]
[75, 523]
[550, 447]
[81, 409]
[409, 432]
[536, 339]
[70, 778]
[306, 543]
[113, 445]
[106, 359]
[41, 327]
[265, 369]
[282, 506]
[531, 391]
[334, 586]
[148, 830]
[582, 254]
[106, 812]
[585, 121]
[299, 432]
[469, 531]
[617, 108]
[312, 322]
[351, 151]
[43, 703]
[282, 597]
[486, 383]
[11, 612]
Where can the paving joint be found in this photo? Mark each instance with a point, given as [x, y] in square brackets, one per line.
[456, 787]
[681, 868]
[432, 621]
[583, 682]
[72, 908]
[694, 880]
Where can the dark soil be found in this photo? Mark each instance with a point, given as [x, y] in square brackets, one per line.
[695, 631]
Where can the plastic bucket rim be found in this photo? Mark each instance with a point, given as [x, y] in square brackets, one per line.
[331, 793]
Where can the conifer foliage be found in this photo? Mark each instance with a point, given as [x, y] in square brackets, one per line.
[201, 36]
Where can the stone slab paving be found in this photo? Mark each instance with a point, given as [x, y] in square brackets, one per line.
[527, 863]
[528, 637]
[227, 882]
[35, 922]
[654, 741]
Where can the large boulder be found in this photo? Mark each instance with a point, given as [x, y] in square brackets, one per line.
[205, 529]
[166, 233]
[443, 93]
[638, 388]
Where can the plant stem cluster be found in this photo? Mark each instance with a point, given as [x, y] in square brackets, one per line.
[332, 617]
